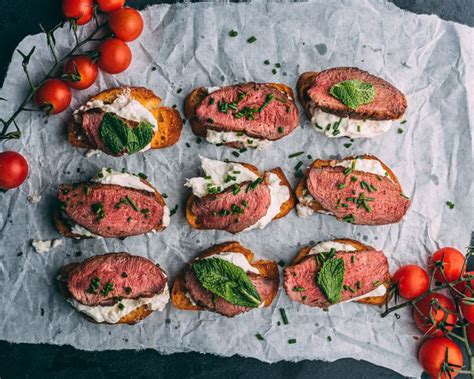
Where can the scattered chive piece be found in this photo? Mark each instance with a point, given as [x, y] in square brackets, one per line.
[292, 341]
[233, 33]
[329, 338]
[121, 306]
[403, 122]
[281, 263]
[354, 178]
[274, 71]
[142, 176]
[347, 145]
[353, 259]
[266, 62]
[299, 174]
[298, 165]
[235, 154]
[251, 39]
[132, 203]
[198, 140]
[280, 130]
[173, 211]
[296, 154]
[450, 204]
[179, 90]
[283, 316]
[400, 131]
[397, 316]
[358, 284]
[259, 337]
[341, 185]
[299, 289]
[124, 275]
[277, 65]
[376, 283]
[187, 144]
[310, 157]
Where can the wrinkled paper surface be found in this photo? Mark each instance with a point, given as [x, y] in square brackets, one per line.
[428, 59]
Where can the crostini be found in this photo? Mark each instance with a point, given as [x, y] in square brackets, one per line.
[115, 288]
[245, 284]
[124, 120]
[236, 197]
[242, 115]
[112, 204]
[359, 190]
[349, 102]
[337, 271]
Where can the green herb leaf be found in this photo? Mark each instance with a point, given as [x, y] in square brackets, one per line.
[353, 93]
[118, 137]
[228, 281]
[330, 278]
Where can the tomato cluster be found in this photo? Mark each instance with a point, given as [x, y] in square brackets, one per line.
[81, 71]
[435, 314]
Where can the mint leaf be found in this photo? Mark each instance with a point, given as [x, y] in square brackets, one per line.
[227, 280]
[353, 93]
[119, 137]
[330, 279]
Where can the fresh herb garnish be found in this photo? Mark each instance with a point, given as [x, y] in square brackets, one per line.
[86, 190]
[142, 176]
[251, 39]
[296, 154]
[227, 281]
[235, 189]
[107, 289]
[330, 278]
[124, 275]
[132, 203]
[98, 209]
[93, 285]
[284, 318]
[267, 101]
[353, 92]
[121, 306]
[259, 337]
[292, 341]
[266, 62]
[399, 130]
[233, 33]
[299, 289]
[236, 154]
[450, 204]
[349, 218]
[173, 211]
[128, 290]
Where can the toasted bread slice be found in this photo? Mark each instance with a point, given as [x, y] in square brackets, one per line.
[376, 300]
[169, 120]
[64, 227]
[319, 163]
[305, 81]
[196, 96]
[285, 208]
[268, 269]
[131, 318]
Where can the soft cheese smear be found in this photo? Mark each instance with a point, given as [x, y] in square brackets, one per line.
[216, 137]
[334, 126]
[112, 314]
[123, 179]
[237, 259]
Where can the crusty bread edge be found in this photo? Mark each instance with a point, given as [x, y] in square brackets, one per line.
[169, 120]
[130, 318]
[268, 269]
[374, 300]
[64, 228]
[285, 208]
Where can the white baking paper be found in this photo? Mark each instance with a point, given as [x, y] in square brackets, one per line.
[187, 45]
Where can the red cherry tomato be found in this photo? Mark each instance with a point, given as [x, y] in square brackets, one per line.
[432, 355]
[108, 6]
[80, 10]
[115, 56]
[13, 169]
[126, 24]
[411, 281]
[470, 333]
[453, 264]
[82, 68]
[429, 307]
[53, 96]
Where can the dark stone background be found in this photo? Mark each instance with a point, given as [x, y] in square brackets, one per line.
[19, 18]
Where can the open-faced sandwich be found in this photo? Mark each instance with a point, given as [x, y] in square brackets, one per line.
[226, 280]
[236, 197]
[349, 102]
[242, 115]
[337, 271]
[115, 288]
[359, 190]
[112, 204]
[124, 120]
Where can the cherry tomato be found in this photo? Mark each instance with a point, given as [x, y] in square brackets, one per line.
[80, 10]
[432, 355]
[53, 96]
[13, 169]
[126, 24]
[115, 56]
[108, 6]
[470, 333]
[411, 281]
[430, 307]
[453, 264]
[80, 72]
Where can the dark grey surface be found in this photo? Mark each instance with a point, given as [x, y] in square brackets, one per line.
[19, 18]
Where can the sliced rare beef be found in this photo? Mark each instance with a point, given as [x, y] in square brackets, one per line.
[389, 102]
[276, 119]
[385, 202]
[91, 121]
[369, 268]
[103, 279]
[206, 299]
[110, 210]
[233, 211]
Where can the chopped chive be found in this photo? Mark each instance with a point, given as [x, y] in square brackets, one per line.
[259, 337]
[376, 283]
[266, 62]
[341, 185]
[354, 178]
[403, 122]
[281, 263]
[187, 144]
[173, 211]
[280, 130]
[353, 259]
[296, 154]
[299, 289]
[347, 145]
[298, 165]
[278, 65]
[399, 130]
[251, 39]
[329, 338]
[283, 316]
[274, 71]
[198, 140]
[233, 33]
[450, 204]
[235, 154]
[292, 341]
[132, 203]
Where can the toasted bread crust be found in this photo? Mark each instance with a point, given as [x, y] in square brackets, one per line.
[285, 208]
[268, 269]
[320, 163]
[131, 318]
[196, 96]
[169, 120]
[375, 300]
[63, 227]
[304, 82]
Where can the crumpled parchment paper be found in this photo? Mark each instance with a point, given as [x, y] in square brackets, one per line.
[186, 46]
